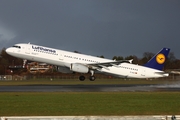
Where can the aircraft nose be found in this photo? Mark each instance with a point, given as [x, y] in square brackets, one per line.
[9, 50]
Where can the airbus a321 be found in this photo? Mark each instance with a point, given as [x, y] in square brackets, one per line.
[69, 62]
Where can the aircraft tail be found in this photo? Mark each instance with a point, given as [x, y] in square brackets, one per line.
[157, 62]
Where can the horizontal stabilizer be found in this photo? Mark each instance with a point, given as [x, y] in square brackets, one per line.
[162, 73]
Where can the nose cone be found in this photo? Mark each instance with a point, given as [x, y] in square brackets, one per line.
[9, 50]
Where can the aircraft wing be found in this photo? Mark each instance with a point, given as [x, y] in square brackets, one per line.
[105, 65]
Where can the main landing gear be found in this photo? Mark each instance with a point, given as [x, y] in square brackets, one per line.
[91, 78]
[82, 78]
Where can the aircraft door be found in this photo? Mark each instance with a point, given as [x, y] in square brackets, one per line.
[61, 57]
[27, 49]
[143, 72]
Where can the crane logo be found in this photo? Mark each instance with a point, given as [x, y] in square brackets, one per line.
[160, 58]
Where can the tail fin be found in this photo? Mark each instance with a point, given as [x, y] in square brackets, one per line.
[157, 62]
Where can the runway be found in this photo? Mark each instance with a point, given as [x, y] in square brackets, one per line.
[91, 88]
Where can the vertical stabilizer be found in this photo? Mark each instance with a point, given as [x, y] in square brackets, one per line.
[157, 62]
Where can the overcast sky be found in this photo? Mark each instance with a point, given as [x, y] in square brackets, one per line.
[95, 27]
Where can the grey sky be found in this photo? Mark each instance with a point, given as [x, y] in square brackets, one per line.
[95, 27]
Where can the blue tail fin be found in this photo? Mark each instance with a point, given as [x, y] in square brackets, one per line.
[157, 62]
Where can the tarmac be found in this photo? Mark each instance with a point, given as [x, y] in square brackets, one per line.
[91, 88]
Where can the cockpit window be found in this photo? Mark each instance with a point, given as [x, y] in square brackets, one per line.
[17, 46]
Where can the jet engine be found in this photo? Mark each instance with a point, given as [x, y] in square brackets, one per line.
[64, 69]
[76, 67]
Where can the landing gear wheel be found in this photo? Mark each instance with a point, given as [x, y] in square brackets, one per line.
[82, 78]
[92, 78]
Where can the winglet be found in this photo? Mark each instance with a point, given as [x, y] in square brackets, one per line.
[157, 62]
[130, 61]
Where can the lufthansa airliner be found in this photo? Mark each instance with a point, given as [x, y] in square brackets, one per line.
[69, 62]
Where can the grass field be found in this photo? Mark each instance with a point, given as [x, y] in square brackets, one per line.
[88, 103]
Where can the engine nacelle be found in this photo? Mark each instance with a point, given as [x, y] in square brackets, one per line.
[64, 69]
[76, 67]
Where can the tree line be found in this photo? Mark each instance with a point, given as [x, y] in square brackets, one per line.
[171, 62]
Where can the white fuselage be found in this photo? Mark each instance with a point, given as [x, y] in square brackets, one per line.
[65, 58]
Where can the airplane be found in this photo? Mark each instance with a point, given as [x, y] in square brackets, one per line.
[69, 62]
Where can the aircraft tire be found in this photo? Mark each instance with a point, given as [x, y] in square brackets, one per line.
[82, 78]
[92, 78]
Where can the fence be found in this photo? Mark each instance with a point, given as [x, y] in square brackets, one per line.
[5, 77]
[72, 76]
